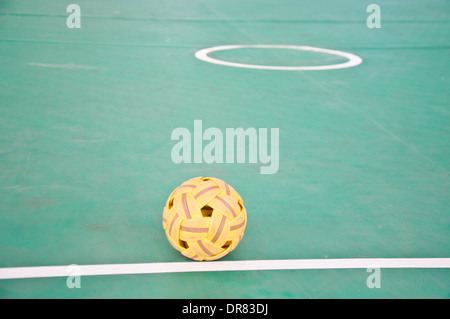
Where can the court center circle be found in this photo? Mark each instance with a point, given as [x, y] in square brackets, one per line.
[353, 60]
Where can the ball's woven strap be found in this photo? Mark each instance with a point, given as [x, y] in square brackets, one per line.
[204, 218]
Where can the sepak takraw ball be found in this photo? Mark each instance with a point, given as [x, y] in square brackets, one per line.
[204, 218]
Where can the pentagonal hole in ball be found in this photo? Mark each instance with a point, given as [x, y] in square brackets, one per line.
[227, 244]
[206, 211]
[241, 204]
[170, 204]
[183, 244]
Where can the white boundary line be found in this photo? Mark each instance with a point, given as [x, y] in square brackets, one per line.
[244, 265]
[353, 60]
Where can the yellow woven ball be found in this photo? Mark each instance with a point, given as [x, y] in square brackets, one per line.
[204, 218]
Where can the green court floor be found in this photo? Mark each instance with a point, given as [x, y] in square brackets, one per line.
[86, 117]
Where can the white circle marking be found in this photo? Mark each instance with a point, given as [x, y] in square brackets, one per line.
[353, 60]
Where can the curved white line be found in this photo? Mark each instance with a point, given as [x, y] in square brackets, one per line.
[243, 265]
[353, 60]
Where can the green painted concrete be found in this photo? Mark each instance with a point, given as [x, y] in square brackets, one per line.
[85, 165]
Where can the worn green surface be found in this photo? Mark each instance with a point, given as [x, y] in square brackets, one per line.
[85, 165]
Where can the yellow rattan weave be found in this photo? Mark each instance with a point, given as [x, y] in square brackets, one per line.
[204, 218]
